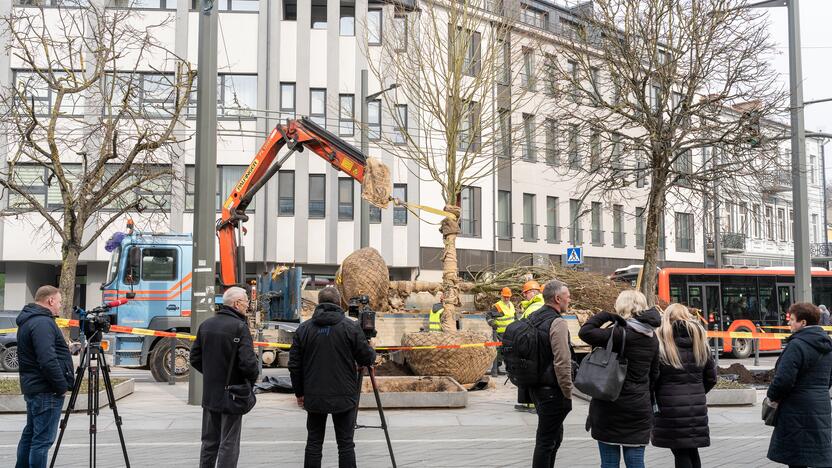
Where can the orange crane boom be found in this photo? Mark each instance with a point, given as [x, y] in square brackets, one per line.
[295, 135]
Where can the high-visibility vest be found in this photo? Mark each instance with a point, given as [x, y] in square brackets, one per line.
[532, 305]
[507, 318]
[435, 320]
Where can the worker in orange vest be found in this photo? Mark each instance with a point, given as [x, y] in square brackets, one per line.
[500, 316]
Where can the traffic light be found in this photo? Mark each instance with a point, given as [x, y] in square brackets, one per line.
[750, 128]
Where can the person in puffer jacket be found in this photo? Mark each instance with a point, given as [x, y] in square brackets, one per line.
[686, 373]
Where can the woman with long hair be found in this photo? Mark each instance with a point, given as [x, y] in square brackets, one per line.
[686, 373]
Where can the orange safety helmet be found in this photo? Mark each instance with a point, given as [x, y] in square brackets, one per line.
[531, 285]
[506, 292]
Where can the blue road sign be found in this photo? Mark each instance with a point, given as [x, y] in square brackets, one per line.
[574, 255]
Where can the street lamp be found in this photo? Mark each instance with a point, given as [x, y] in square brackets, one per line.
[365, 149]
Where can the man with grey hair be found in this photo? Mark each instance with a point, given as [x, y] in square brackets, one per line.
[223, 350]
[553, 397]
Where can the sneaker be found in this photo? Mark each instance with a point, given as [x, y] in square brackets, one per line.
[520, 407]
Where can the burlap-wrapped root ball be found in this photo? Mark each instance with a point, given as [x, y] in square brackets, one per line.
[364, 272]
[466, 365]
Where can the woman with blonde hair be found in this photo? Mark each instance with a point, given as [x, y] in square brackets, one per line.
[686, 373]
[624, 425]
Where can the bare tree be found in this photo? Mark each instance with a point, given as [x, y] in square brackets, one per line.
[672, 97]
[453, 68]
[90, 121]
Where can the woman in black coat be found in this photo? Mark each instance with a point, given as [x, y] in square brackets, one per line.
[800, 389]
[686, 373]
[627, 420]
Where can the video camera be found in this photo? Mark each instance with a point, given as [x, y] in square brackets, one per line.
[97, 321]
[359, 307]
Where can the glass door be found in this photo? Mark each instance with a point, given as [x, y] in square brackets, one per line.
[785, 298]
[705, 297]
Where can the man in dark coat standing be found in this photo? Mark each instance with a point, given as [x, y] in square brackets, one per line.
[46, 374]
[323, 361]
[222, 340]
[800, 389]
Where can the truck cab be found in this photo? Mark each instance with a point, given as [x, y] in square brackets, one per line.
[153, 271]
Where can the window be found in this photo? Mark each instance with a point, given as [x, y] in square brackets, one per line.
[157, 95]
[684, 232]
[769, 223]
[615, 157]
[572, 71]
[503, 214]
[640, 228]
[345, 199]
[375, 214]
[471, 61]
[158, 265]
[572, 147]
[503, 64]
[781, 224]
[317, 196]
[400, 132]
[575, 231]
[400, 212]
[597, 224]
[286, 193]
[236, 96]
[287, 98]
[791, 223]
[33, 178]
[813, 169]
[618, 226]
[346, 115]
[744, 218]
[550, 69]
[655, 98]
[374, 119]
[224, 5]
[469, 133]
[227, 178]
[815, 236]
[527, 77]
[528, 138]
[551, 142]
[684, 168]
[347, 23]
[533, 17]
[374, 27]
[552, 221]
[529, 218]
[318, 18]
[317, 106]
[758, 221]
[400, 32]
[595, 150]
[641, 174]
[470, 203]
[504, 145]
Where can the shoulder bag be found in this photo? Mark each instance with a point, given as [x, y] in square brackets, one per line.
[602, 373]
[237, 398]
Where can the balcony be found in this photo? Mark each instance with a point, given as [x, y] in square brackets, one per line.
[730, 242]
[618, 239]
[597, 237]
[553, 234]
[778, 180]
[576, 236]
[530, 232]
[504, 230]
[821, 251]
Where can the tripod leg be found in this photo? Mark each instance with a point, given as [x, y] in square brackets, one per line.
[372, 373]
[73, 397]
[360, 386]
[111, 400]
[92, 409]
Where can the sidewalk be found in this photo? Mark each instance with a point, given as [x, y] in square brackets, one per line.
[161, 430]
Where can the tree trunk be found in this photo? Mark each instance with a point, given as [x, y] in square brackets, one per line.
[450, 269]
[655, 208]
[69, 266]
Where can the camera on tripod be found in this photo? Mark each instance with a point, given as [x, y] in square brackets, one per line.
[97, 321]
[359, 307]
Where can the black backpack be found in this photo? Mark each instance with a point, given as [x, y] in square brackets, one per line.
[525, 349]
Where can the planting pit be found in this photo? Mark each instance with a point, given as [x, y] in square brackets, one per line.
[414, 392]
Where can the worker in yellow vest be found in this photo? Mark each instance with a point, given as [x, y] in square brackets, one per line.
[534, 300]
[500, 316]
[435, 318]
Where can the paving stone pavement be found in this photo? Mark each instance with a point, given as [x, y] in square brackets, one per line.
[163, 431]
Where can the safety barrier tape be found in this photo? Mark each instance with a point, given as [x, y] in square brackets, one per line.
[786, 327]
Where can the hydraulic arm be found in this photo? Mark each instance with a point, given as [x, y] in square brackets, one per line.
[294, 135]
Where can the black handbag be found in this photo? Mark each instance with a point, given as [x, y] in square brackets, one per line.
[602, 373]
[237, 398]
[769, 413]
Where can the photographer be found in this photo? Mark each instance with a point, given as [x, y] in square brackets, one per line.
[322, 362]
[217, 339]
[46, 374]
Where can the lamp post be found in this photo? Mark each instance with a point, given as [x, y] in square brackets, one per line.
[365, 149]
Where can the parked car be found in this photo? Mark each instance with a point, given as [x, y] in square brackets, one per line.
[8, 343]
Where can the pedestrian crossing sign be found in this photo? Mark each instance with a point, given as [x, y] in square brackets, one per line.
[574, 255]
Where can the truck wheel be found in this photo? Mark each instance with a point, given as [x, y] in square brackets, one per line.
[159, 361]
[741, 347]
[8, 359]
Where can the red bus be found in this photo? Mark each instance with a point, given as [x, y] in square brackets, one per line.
[739, 300]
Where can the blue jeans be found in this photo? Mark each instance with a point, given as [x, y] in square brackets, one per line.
[611, 456]
[43, 413]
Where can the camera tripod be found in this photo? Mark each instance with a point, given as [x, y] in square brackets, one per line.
[372, 372]
[92, 362]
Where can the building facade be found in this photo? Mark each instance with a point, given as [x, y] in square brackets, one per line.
[280, 59]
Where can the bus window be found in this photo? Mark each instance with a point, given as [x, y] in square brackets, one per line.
[785, 292]
[822, 290]
[768, 301]
[739, 299]
[677, 289]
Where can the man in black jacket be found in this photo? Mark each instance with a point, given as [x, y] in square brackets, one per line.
[223, 340]
[46, 374]
[323, 359]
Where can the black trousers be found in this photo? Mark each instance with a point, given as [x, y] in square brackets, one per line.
[220, 439]
[316, 430]
[552, 409]
[687, 458]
